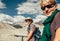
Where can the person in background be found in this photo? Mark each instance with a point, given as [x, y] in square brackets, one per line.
[31, 30]
[51, 30]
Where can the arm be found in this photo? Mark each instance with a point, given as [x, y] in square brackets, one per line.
[32, 29]
[57, 22]
[29, 35]
[57, 36]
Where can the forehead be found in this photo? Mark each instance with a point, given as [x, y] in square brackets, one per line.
[45, 2]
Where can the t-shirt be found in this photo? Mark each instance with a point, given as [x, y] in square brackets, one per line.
[31, 28]
[55, 25]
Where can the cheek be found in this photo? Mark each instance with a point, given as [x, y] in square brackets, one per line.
[44, 12]
[26, 23]
[52, 9]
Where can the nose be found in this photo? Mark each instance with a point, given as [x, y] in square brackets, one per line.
[46, 9]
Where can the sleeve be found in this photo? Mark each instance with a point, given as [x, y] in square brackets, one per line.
[32, 27]
[57, 21]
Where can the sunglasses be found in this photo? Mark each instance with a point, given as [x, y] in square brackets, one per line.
[47, 6]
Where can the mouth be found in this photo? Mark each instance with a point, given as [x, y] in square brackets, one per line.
[48, 13]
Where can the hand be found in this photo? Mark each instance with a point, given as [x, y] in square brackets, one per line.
[27, 40]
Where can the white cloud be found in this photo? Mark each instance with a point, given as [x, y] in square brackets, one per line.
[58, 6]
[39, 18]
[29, 7]
[8, 19]
[2, 5]
[19, 18]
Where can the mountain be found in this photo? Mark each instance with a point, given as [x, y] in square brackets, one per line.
[10, 33]
[14, 32]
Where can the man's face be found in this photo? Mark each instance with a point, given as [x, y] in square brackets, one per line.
[28, 23]
[48, 8]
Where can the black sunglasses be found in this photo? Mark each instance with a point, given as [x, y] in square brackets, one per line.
[48, 6]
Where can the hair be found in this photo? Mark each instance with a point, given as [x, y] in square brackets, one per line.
[30, 20]
[52, 1]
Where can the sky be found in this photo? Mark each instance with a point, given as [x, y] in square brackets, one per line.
[12, 11]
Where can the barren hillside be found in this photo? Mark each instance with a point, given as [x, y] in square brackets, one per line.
[10, 33]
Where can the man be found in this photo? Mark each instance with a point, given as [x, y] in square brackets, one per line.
[51, 30]
[31, 29]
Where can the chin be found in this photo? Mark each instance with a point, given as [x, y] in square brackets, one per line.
[48, 14]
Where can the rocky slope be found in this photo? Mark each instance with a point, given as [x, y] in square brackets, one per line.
[12, 33]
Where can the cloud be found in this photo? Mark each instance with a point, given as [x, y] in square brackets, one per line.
[58, 6]
[2, 5]
[39, 18]
[29, 7]
[6, 18]
[19, 18]
[11, 20]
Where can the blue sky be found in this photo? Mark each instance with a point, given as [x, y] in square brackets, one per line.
[21, 8]
[11, 5]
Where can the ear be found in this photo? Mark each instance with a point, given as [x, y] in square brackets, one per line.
[56, 5]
